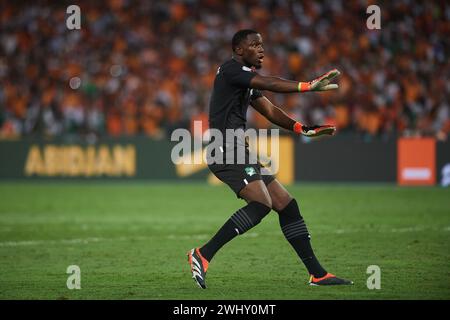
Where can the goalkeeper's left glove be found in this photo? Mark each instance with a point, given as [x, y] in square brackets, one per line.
[321, 83]
[314, 131]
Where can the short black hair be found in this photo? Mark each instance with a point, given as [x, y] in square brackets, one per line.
[240, 36]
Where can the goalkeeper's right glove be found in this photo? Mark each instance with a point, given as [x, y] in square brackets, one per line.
[321, 83]
[314, 131]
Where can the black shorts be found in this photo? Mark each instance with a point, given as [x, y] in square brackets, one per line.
[237, 176]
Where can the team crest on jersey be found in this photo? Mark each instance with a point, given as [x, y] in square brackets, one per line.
[250, 171]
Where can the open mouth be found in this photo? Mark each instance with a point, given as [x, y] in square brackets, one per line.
[261, 59]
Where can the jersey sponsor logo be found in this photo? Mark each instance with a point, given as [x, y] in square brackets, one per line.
[246, 69]
[250, 171]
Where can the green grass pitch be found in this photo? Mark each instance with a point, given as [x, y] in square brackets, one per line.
[130, 242]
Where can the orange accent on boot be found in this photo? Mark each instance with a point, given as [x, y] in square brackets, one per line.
[205, 262]
[328, 275]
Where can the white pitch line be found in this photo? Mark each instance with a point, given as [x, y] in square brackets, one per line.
[46, 242]
[196, 237]
[67, 241]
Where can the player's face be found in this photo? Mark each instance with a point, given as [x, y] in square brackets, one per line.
[253, 51]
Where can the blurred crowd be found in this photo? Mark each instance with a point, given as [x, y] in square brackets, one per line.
[147, 67]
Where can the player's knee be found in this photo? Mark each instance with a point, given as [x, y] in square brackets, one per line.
[267, 201]
[256, 191]
[263, 198]
[281, 202]
[279, 195]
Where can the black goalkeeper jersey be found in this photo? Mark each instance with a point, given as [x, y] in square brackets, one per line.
[231, 96]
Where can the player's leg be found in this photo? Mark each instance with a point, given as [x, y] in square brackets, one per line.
[296, 233]
[245, 181]
[294, 227]
[245, 218]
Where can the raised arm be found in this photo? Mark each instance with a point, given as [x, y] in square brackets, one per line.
[280, 85]
[277, 116]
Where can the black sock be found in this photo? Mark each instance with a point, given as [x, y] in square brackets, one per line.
[295, 231]
[241, 221]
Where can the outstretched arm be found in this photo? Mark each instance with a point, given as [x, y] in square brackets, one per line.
[281, 119]
[280, 85]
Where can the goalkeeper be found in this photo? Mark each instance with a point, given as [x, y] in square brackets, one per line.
[236, 86]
